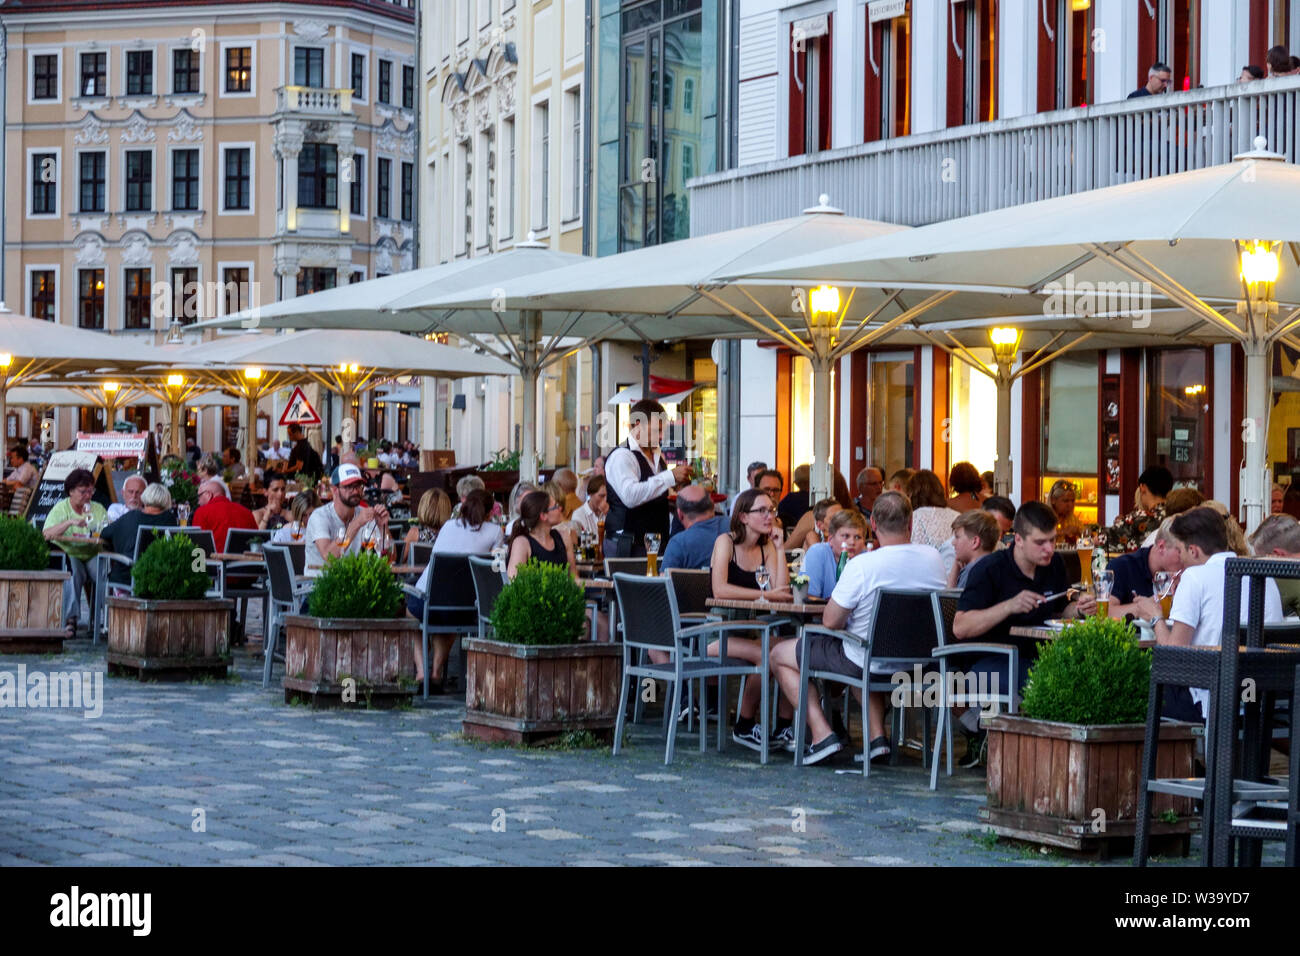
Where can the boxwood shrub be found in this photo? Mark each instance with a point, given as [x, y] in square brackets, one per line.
[542, 605]
[1094, 673]
[22, 547]
[171, 569]
[357, 585]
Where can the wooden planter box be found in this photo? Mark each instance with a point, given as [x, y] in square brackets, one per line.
[31, 608]
[522, 693]
[169, 640]
[379, 655]
[1046, 780]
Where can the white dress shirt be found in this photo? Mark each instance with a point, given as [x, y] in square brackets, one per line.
[623, 474]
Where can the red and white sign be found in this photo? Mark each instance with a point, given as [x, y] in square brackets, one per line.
[299, 410]
[113, 444]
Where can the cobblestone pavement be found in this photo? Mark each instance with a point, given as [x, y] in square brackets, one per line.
[276, 784]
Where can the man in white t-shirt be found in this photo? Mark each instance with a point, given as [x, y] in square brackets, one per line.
[896, 563]
[341, 527]
[1196, 617]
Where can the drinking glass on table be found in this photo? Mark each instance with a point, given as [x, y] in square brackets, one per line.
[652, 555]
[763, 576]
[295, 531]
[1103, 584]
[499, 558]
[183, 513]
[1164, 587]
[1085, 550]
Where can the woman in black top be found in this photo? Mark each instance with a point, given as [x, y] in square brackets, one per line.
[736, 556]
[534, 535]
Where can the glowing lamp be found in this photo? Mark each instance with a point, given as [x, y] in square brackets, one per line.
[1006, 341]
[824, 300]
[1259, 263]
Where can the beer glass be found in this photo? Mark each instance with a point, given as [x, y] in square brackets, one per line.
[1085, 549]
[1164, 586]
[1104, 583]
[652, 555]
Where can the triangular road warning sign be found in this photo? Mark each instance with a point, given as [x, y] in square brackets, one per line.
[299, 410]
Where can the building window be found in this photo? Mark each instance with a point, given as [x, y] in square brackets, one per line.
[139, 290]
[237, 177]
[316, 280]
[383, 188]
[139, 72]
[408, 87]
[508, 178]
[90, 298]
[891, 406]
[1178, 414]
[139, 180]
[234, 286]
[185, 71]
[357, 187]
[185, 180]
[973, 73]
[1065, 62]
[45, 184]
[574, 106]
[385, 82]
[318, 176]
[887, 104]
[239, 69]
[1169, 31]
[94, 74]
[309, 66]
[810, 85]
[357, 275]
[408, 192]
[92, 187]
[542, 120]
[43, 294]
[688, 162]
[359, 75]
[688, 95]
[45, 76]
[187, 295]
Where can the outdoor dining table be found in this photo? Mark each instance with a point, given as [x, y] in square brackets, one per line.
[1052, 633]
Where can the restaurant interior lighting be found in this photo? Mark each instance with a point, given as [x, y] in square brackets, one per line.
[1078, 5]
[348, 368]
[1193, 389]
[1259, 263]
[1006, 342]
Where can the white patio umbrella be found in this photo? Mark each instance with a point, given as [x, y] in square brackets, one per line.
[1211, 241]
[33, 348]
[682, 290]
[368, 305]
[342, 360]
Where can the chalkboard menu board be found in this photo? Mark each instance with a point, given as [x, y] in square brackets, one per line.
[50, 488]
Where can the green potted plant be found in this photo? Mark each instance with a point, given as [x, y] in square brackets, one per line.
[1066, 770]
[356, 643]
[167, 628]
[535, 678]
[31, 595]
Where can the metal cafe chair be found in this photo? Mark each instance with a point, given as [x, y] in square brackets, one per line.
[285, 594]
[488, 583]
[625, 565]
[651, 622]
[450, 603]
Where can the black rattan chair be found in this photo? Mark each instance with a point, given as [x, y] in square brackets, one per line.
[285, 594]
[488, 583]
[450, 604]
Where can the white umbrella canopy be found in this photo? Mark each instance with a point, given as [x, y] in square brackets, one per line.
[30, 348]
[365, 305]
[1179, 237]
[40, 396]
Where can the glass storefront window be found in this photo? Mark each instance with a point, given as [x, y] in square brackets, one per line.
[974, 405]
[1284, 416]
[801, 412]
[1070, 415]
[891, 406]
[1178, 403]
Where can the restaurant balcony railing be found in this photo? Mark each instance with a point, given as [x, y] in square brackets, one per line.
[314, 101]
[930, 177]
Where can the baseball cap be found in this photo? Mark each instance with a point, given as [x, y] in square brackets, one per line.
[345, 473]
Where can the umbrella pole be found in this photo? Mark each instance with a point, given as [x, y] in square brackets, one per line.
[250, 434]
[1255, 486]
[822, 487]
[532, 323]
[174, 433]
[1002, 467]
[4, 412]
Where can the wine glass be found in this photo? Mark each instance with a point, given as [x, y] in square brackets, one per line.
[763, 577]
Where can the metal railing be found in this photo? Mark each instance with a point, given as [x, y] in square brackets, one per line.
[313, 100]
[915, 180]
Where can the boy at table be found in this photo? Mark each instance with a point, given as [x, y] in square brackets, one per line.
[896, 563]
[1007, 589]
[848, 535]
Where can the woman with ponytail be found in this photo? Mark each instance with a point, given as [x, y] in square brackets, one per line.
[534, 534]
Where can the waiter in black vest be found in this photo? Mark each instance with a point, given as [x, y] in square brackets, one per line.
[637, 479]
